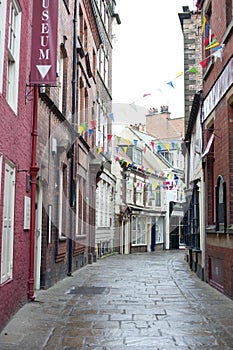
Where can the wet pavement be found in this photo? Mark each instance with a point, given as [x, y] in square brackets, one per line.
[140, 301]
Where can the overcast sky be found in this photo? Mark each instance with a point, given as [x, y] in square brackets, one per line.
[148, 53]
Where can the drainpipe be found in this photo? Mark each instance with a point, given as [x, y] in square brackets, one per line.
[74, 81]
[33, 174]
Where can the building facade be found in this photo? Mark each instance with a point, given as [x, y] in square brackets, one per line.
[191, 25]
[15, 154]
[217, 155]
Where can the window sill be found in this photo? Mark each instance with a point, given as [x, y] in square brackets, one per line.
[211, 229]
[80, 237]
[62, 238]
[139, 245]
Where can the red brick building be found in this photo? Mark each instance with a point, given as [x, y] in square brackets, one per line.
[66, 185]
[15, 154]
[217, 118]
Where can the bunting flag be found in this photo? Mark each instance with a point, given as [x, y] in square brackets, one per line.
[152, 144]
[128, 141]
[135, 142]
[192, 70]
[133, 105]
[111, 116]
[80, 129]
[171, 84]
[218, 53]
[179, 74]
[203, 24]
[125, 149]
[90, 132]
[84, 126]
[203, 63]
[109, 137]
[93, 124]
[213, 43]
[145, 95]
[118, 139]
[208, 40]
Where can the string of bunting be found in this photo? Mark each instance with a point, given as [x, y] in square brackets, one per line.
[170, 180]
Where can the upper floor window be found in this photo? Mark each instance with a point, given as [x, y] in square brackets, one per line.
[2, 38]
[135, 154]
[62, 79]
[158, 197]
[221, 204]
[13, 54]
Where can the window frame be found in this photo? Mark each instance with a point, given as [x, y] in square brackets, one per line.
[139, 235]
[9, 204]
[221, 208]
[2, 39]
[13, 56]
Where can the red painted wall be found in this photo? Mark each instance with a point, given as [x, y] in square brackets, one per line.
[15, 145]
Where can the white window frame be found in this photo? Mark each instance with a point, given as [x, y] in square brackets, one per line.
[13, 55]
[139, 193]
[2, 38]
[139, 235]
[8, 223]
[61, 81]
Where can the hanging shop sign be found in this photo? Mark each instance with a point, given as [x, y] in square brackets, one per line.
[44, 42]
[218, 90]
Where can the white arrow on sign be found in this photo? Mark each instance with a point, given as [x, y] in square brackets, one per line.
[43, 70]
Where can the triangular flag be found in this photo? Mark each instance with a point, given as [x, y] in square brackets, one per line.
[179, 74]
[125, 149]
[167, 146]
[84, 126]
[90, 132]
[80, 129]
[109, 137]
[170, 83]
[218, 54]
[203, 25]
[192, 70]
[118, 139]
[117, 149]
[111, 116]
[135, 142]
[213, 43]
[128, 141]
[93, 124]
[208, 39]
[133, 105]
[152, 144]
[203, 63]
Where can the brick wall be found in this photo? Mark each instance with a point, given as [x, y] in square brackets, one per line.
[15, 145]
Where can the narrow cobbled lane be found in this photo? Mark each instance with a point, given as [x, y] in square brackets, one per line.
[140, 301]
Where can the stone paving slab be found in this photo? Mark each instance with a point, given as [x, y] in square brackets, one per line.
[138, 301]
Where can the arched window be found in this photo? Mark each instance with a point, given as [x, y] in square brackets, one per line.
[221, 204]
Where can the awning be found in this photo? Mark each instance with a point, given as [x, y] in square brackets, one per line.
[208, 146]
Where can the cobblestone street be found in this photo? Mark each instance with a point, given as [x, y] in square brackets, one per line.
[140, 301]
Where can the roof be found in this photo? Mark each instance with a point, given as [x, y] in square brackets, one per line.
[165, 128]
